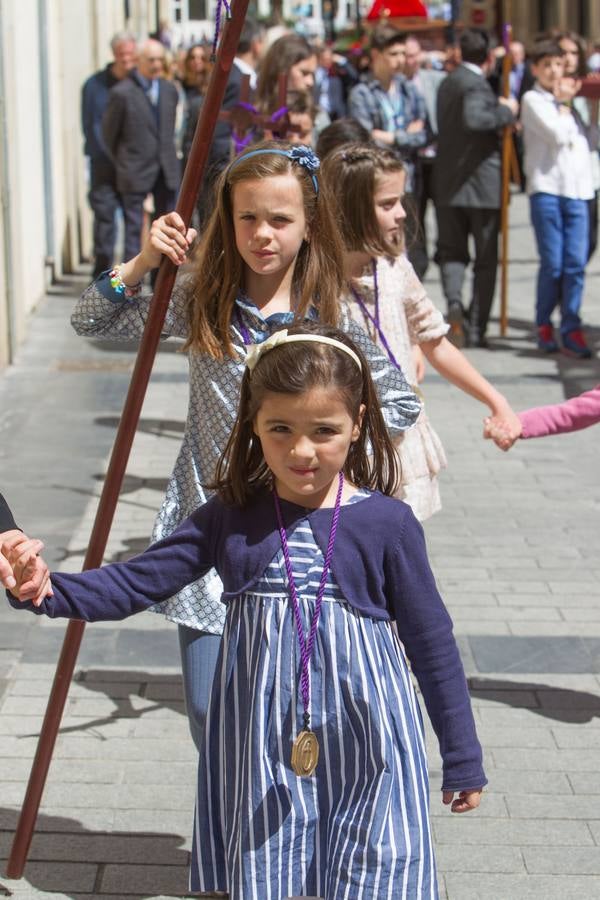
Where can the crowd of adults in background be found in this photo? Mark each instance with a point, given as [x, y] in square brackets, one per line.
[442, 114]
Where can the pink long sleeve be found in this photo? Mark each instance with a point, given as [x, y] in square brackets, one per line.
[572, 415]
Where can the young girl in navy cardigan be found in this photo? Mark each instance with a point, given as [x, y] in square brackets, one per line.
[312, 777]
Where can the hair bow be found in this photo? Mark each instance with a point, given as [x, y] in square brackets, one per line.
[304, 156]
[255, 351]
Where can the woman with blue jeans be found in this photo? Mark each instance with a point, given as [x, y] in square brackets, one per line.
[560, 184]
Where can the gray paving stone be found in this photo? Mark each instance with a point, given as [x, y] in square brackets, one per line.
[96, 771]
[544, 599]
[118, 797]
[579, 738]
[531, 738]
[585, 783]
[555, 862]
[522, 887]
[554, 630]
[512, 832]
[53, 876]
[145, 879]
[547, 808]
[479, 859]
[532, 654]
[174, 773]
[50, 820]
[547, 760]
[488, 614]
[513, 781]
[118, 847]
[147, 821]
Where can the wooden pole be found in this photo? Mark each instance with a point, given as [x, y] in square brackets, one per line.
[507, 152]
[124, 439]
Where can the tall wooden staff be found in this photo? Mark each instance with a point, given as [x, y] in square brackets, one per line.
[124, 439]
[507, 153]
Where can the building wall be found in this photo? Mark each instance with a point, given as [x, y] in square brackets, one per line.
[47, 49]
[24, 244]
[533, 16]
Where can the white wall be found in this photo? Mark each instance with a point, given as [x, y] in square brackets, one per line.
[25, 188]
[45, 212]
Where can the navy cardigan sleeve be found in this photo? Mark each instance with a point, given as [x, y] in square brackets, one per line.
[121, 589]
[425, 629]
[7, 522]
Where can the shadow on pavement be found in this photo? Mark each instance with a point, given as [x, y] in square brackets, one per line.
[121, 686]
[65, 855]
[166, 692]
[560, 704]
[147, 425]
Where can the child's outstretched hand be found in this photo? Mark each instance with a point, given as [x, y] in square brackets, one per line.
[501, 432]
[27, 575]
[465, 802]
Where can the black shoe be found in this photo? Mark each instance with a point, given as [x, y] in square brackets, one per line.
[456, 321]
[476, 339]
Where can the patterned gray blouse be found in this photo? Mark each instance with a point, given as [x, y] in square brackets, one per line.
[213, 400]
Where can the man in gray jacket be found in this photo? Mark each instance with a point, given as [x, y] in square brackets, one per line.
[139, 132]
[467, 186]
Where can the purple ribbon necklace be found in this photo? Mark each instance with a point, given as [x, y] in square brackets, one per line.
[374, 319]
[305, 752]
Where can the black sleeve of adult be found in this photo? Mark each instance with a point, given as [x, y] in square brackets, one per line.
[7, 522]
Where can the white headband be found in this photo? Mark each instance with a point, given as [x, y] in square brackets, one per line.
[255, 351]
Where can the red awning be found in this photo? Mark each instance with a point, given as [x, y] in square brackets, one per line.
[384, 9]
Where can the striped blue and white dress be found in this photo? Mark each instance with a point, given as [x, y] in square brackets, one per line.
[358, 829]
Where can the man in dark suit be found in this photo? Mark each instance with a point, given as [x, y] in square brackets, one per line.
[467, 185]
[103, 196]
[139, 132]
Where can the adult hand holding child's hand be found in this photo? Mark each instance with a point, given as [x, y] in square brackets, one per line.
[22, 570]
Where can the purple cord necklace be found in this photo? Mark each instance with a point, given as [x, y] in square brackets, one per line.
[374, 319]
[305, 752]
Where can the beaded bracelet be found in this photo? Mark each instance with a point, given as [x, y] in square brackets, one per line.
[118, 285]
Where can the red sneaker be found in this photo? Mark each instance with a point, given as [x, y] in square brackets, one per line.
[546, 340]
[574, 344]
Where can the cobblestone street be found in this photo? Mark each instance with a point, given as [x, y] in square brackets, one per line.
[516, 551]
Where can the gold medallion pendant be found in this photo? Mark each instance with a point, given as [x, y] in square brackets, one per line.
[305, 753]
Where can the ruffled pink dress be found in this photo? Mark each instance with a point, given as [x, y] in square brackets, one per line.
[406, 316]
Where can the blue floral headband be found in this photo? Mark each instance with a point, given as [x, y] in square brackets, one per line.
[301, 155]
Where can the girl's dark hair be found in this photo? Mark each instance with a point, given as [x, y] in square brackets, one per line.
[318, 277]
[191, 80]
[293, 369]
[351, 172]
[581, 70]
[342, 131]
[285, 52]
